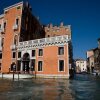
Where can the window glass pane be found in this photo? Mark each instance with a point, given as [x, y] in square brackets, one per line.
[33, 53]
[4, 25]
[40, 53]
[2, 42]
[0, 66]
[15, 40]
[17, 21]
[14, 54]
[18, 65]
[60, 50]
[33, 65]
[61, 65]
[40, 66]
[0, 55]
[19, 54]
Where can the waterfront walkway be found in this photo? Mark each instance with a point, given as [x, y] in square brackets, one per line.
[16, 76]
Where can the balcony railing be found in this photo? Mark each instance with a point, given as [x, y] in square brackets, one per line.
[15, 27]
[45, 40]
[0, 48]
[13, 47]
[1, 30]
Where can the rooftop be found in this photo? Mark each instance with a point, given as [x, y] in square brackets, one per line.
[14, 5]
[2, 15]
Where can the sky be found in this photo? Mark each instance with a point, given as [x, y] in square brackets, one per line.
[82, 15]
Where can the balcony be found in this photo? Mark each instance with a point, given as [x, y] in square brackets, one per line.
[13, 47]
[45, 40]
[0, 48]
[15, 27]
[2, 30]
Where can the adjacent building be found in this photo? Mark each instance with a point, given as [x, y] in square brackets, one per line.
[90, 60]
[93, 59]
[45, 51]
[81, 65]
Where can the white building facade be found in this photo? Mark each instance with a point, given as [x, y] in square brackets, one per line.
[81, 65]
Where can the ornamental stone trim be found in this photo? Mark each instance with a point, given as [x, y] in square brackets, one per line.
[51, 41]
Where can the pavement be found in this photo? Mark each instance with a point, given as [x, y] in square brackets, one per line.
[16, 76]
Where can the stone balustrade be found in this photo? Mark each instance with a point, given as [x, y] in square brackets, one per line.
[46, 40]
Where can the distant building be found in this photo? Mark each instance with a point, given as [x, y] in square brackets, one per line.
[45, 51]
[99, 43]
[90, 60]
[93, 59]
[81, 65]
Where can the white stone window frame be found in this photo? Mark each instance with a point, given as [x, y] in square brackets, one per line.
[38, 52]
[14, 38]
[1, 54]
[2, 38]
[37, 66]
[21, 55]
[58, 65]
[18, 17]
[58, 50]
[12, 54]
[33, 57]
[2, 25]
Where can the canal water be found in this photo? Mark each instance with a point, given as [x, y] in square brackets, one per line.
[82, 87]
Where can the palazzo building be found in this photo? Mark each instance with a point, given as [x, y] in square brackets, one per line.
[45, 51]
[93, 59]
[81, 65]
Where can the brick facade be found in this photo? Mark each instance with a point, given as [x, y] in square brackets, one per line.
[21, 33]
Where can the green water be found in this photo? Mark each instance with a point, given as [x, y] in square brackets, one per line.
[82, 87]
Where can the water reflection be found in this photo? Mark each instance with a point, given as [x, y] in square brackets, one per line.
[39, 89]
[83, 87]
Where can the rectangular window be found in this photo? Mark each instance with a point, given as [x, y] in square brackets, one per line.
[14, 54]
[60, 50]
[0, 26]
[33, 53]
[39, 65]
[2, 42]
[19, 54]
[61, 65]
[4, 25]
[0, 55]
[33, 65]
[0, 66]
[17, 21]
[19, 7]
[40, 53]
[18, 65]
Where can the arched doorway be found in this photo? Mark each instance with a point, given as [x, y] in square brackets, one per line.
[25, 61]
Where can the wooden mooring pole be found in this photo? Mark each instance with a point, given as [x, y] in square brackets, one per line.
[18, 76]
[13, 75]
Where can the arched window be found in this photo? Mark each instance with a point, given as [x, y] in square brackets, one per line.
[2, 42]
[17, 21]
[15, 39]
[26, 57]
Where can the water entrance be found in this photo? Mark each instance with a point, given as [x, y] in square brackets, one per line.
[26, 61]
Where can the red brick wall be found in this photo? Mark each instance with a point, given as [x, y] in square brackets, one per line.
[10, 18]
[50, 60]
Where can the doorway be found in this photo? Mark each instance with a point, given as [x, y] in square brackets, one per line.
[26, 61]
